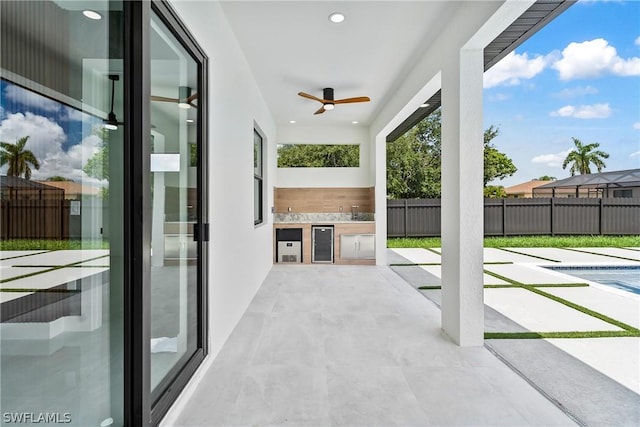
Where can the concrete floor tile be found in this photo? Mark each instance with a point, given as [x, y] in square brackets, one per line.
[291, 339]
[241, 345]
[480, 397]
[620, 305]
[369, 395]
[488, 279]
[618, 358]
[615, 252]
[354, 339]
[418, 255]
[568, 256]
[530, 274]
[282, 395]
[214, 398]
[540, 314]
[499, 255]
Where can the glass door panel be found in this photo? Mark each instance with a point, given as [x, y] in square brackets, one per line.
[61, 258]
[174, 205]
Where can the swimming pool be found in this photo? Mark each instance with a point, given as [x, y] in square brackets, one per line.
[624, 277]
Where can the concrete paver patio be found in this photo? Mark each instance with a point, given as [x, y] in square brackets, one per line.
[596, 379]
[355, 346]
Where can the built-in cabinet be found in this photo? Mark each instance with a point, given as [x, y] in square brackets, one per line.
[363, 245]
[357, 246]
[333, 225]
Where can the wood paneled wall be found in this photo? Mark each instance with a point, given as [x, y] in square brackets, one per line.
[324, 200]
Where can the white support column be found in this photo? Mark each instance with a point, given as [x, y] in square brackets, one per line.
[462, 198]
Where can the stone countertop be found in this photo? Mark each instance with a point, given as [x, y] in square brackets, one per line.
[324, 222]
[325, 218]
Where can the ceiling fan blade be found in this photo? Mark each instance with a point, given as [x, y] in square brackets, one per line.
[163, 99]
[315, 98]
[350, 100]
[320, 111]
[191, 98]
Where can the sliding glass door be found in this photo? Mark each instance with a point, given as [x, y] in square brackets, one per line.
[62, 248]
[103, 213]
[176, 195]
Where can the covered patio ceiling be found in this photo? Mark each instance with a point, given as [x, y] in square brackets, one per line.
[291, 46]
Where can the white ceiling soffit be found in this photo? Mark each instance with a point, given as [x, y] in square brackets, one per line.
[291, 46]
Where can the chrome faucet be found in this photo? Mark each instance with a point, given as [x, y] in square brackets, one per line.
[354, 212]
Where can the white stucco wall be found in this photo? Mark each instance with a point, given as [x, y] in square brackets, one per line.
[326, 177]
[240, 254]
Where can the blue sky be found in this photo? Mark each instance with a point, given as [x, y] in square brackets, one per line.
[578, 77]
[60, 137]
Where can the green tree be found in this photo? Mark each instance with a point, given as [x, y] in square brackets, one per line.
[414, 160]
[547, 178]
[318, 156]
[496, 164]
[98, 165]
[494, 192]
[58, 178]
[18, 158]
[582, 156]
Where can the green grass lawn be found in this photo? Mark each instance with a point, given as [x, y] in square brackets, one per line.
[50, 245]
[527, 242]
[401, 242]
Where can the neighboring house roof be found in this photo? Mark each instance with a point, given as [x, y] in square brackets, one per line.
[21, 183]
[525, 187]
[71, 187]
[624, 178]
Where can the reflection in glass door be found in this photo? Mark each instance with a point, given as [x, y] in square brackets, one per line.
[62, 251]
[174, 205]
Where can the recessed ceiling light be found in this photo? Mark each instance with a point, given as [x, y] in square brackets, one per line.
[190, 120]
[336, 17]
[355, 122]
[292, 122]
[92, 14]
[424, 105]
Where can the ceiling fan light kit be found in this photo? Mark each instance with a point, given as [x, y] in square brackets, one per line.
[328, 100]
[111, 122]
[184, 93]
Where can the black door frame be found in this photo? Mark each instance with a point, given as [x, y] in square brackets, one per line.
[139, 409]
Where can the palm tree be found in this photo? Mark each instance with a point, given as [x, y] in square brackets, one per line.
[583, 156]
[18, 158]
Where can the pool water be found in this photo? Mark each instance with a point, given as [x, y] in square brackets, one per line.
[626, 278]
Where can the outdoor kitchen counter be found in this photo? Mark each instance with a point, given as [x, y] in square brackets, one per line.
[340, 227]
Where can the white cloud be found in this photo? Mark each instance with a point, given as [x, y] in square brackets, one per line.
[594, 58]
[576, 92]
[636, 125]
[46, 141]
[71, 114]
[31, 99]
[555, 159]
[45, 135]
[636, 154]
[513, 68]
[595, 111]
[70, 163]
[638, 41]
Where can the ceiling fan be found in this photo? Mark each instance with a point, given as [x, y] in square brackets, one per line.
[184, 100]
[111, 122]
[328, 101]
